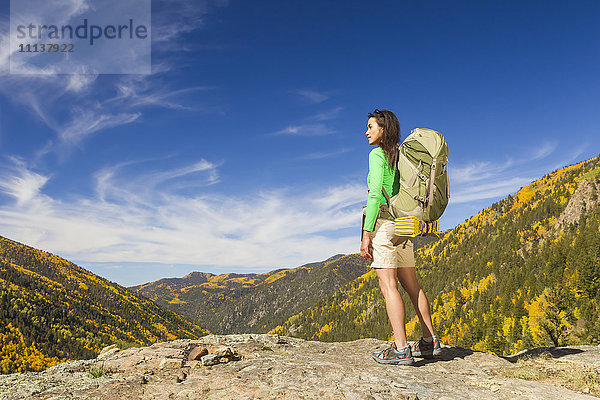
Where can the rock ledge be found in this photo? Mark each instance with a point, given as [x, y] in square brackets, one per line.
[264, 366]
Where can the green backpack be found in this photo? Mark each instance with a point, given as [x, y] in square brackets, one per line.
[424, 184]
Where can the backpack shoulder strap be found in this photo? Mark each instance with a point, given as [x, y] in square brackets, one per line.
[416, 171]
[387, 196]
[385, 193]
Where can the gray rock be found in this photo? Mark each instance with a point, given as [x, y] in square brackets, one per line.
[221, 355]
[70, 367]
[197, 353]
[269, 367]
[180, 376]
[107, 354]
[108, 348]
[171, 363]
[186, 394]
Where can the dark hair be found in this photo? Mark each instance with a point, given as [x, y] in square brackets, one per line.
[390, 136]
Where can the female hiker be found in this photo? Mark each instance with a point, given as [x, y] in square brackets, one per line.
[392, 256]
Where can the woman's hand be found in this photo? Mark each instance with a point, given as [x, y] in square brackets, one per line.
[366, 247]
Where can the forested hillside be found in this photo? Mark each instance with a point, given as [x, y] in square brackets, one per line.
[252, 303]
[524, 272]
[52, 310]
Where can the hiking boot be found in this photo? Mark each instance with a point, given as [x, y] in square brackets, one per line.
[392, 355]
[426, 349]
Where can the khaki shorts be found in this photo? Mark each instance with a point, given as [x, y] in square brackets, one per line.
[389, 250]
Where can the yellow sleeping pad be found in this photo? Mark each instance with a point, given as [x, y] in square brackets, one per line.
[413, 226]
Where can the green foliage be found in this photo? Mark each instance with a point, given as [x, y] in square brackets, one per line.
[96, 371]
[593, 174]
[558, 316]
[585, 255]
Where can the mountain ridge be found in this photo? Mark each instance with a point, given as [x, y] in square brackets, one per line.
[209, 298]
[230, 303]
[53, 310]
[199, 277]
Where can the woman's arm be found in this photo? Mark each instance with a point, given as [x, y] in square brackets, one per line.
[376, 164]
[366, 247]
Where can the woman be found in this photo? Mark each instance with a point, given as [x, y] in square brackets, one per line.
[392, 256]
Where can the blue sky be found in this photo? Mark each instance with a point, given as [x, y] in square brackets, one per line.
[244, 150]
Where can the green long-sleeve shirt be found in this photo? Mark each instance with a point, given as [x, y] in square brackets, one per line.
[380, 174]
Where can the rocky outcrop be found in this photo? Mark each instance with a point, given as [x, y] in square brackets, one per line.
[273, 367]
[585, 197]
[583, 200]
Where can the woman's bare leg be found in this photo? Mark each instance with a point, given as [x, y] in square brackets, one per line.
[408, 280]
[393, 303]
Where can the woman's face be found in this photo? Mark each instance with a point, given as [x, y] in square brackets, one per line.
[374, 131]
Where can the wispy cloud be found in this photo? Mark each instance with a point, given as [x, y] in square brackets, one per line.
[495, 188]
[306, 130]
[136, 91]
[60, 14]
[87, 122]
[544, 150]
[80, 82]
[159, 224]
[568, 156]
[327, 115]
[323, 155]
[21, 183]
[340, 197]
[173, 18]
[480, 180]
[312, 95]
[313, 125]
[51, 96]
[110, 181]
[478, 171]
[81, 114]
